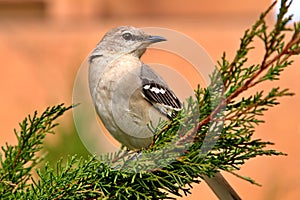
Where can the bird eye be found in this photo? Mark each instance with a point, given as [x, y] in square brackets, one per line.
[127, 36]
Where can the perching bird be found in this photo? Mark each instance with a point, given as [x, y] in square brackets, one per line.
[128, 95]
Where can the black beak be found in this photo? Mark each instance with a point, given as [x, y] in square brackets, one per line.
[154, 39]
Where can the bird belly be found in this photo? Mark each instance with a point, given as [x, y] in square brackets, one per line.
[126, 122]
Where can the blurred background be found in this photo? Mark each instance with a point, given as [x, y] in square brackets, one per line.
[44, 42]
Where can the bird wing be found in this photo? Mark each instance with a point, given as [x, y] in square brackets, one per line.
[156, 91]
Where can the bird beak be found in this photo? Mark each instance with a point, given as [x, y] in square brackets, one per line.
[154, 39]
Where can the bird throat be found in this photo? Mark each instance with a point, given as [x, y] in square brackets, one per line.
[139, 52]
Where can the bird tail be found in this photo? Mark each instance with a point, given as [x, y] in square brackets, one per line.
[221, 187]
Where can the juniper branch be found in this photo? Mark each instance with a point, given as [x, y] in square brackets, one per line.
[20, 159]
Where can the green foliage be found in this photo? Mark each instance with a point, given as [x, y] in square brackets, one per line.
[67, 142]
[213, 132]
[19, 160]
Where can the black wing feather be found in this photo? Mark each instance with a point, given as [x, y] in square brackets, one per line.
[162, 98]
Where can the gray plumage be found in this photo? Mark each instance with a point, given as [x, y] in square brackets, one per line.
[128, 94]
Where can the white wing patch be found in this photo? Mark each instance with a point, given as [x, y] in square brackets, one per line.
[161, 98]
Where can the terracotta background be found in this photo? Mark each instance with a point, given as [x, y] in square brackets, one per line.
[42, 44]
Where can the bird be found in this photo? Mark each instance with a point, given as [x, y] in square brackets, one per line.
[130, 97]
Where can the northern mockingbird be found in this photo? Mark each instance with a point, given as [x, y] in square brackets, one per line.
[130, 97]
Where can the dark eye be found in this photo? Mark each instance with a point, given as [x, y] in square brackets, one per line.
[127, 36]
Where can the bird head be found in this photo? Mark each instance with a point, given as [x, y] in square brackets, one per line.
[126, 40]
